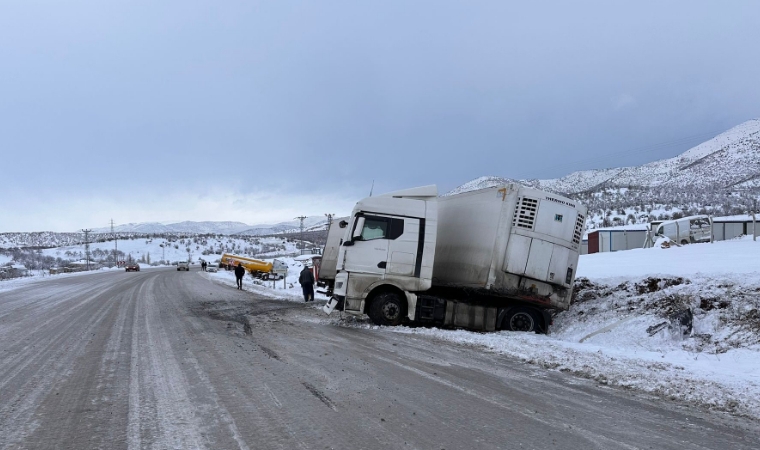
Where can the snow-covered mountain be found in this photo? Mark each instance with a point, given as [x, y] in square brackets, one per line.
[730, 160]
[315, 223]
[229, 228]
[179, 227]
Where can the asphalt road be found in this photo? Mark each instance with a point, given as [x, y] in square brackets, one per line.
[162, 359]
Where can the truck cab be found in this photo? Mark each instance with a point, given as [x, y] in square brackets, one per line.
[388, 248]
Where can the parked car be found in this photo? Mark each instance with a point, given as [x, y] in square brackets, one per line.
[183, 265]
[132, 267]
[211, 269]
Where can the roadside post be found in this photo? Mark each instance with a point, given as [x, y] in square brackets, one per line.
[277, 271]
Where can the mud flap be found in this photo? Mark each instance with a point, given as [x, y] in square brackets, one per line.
[330, 306]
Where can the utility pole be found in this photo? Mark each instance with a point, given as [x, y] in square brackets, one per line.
[115, 246]
[87, 246]
[329, 224]
[301, 218]
[754, 222]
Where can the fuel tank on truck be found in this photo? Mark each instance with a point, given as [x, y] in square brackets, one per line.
[250, 264]
[510, 241]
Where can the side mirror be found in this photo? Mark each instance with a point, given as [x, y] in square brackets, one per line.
[358, 227]
[342, 224]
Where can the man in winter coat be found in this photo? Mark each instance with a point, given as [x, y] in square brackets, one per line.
[307, 284]
[239, 274]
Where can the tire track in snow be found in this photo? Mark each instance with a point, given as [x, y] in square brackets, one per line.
[164, 412]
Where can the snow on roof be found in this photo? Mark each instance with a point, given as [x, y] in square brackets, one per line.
[738, 218]
[306, 257]
[633, 227]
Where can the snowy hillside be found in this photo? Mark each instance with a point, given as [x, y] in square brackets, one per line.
[315, 223]
[729, 160]
[720, 176]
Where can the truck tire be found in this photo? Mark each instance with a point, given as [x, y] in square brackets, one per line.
[521, 319]
[387, 309]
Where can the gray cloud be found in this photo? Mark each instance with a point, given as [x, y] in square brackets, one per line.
[325, 97]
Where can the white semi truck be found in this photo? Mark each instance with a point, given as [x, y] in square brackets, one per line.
[495, 258]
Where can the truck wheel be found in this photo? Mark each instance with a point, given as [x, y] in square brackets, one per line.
[387, 309]
[520, 319]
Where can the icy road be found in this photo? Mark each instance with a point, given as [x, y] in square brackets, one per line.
[162, 359]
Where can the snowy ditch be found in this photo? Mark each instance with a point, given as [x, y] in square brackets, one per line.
[626, 327]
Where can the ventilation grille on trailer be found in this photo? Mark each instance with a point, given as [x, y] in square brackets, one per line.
[579, 223]
[525, 213]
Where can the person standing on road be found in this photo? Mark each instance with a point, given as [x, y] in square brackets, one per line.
[239, 274]
[203, 266]
[307, 284]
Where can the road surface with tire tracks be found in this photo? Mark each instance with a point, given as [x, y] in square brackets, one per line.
[161, 359]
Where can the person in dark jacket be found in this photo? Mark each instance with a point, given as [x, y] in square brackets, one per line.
[307, 284]
[239, 274]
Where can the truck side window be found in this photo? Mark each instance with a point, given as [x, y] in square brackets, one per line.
[397, 228]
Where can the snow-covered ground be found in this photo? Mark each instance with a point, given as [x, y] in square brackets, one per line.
[193, 248]
[610, 333]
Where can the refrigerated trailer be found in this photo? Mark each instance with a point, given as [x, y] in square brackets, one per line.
[495, 258]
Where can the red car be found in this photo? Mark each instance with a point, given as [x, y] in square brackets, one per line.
[132, 267]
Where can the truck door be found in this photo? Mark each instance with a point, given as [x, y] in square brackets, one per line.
[387, 245]
[368, 252]
[403, 246]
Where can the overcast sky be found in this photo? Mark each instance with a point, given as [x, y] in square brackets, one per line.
[257, 112]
